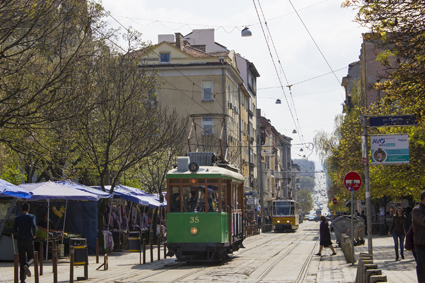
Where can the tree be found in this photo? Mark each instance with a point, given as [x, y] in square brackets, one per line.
[150, 173]
[126, 124]
[401, 25]
[307, 183]
[305, 200]
[41, 45]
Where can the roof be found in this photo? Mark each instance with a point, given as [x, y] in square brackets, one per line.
[206, 172]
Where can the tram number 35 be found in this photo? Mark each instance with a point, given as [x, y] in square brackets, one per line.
[194, 220]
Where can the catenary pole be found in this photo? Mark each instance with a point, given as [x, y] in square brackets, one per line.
[367, 189]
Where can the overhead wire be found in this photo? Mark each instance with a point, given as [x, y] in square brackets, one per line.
[276, 70]
[315, 43]
[224, 28]
[283, 72]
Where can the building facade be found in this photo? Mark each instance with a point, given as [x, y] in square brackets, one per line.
[215, 89]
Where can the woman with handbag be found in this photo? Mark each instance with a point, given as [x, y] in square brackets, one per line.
[325, 236]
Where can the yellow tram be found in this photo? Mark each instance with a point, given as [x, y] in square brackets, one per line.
[285, 215]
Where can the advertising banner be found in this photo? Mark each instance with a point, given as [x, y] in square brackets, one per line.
[389, 149]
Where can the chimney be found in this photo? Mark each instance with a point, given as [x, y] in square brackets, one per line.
[179, 41]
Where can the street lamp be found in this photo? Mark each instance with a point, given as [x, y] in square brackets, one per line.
[246, 32]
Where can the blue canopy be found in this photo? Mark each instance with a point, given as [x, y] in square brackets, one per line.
[136, 195]
[152, 199]
[9, 190]
[51, 190]
[80, 187]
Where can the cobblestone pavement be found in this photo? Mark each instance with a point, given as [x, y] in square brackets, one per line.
[123, 266]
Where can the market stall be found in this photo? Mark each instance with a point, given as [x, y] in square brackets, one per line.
[53, 191]
[9, 195]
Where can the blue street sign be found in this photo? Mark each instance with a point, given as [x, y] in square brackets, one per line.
[389, 121]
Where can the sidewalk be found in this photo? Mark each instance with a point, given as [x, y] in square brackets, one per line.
[335, 268]
[322, 269]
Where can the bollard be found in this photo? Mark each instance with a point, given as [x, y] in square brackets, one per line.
[41, 258]
[55, 265]
[86, 265]
[378, 278]
[159, 249]
[151, 247]
[71, 265]
[16, 267]
[144, 251]
[165, 251]
[140, 254]
[97, 250]
[360, 266]
[105, 262]
[36, 277]
[371, 272]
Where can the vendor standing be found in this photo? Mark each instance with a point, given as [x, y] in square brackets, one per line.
[25, 227]
[43, 223]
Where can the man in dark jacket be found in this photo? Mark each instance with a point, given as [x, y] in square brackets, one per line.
[25, 227]
[418, 216]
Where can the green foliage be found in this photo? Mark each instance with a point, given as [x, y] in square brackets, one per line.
[307, 183]
[305, 199]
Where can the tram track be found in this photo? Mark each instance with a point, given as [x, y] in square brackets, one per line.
[291, 238]
[277, 261]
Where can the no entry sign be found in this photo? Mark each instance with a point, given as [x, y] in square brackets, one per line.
[335, 201]
[352, 181]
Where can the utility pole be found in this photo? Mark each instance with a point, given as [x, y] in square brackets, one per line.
[259, 165]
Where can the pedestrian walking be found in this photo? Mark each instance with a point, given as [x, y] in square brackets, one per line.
[25, 227]
[410, 243]
[397, 231]
[418, 216]
[325, 236]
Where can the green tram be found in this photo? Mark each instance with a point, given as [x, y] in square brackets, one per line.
[205, 212]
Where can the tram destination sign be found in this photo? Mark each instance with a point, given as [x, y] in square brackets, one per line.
[390, 121]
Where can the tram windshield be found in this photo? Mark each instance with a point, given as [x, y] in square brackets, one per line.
[283, 208]
[195, 199]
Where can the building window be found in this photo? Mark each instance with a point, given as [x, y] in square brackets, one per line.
[165, 57]
[207, 91]
[251, 130]
[208, 126]
[250, 104]
[251, 155]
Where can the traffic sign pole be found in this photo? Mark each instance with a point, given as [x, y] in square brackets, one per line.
[352, 226]
[352, 182]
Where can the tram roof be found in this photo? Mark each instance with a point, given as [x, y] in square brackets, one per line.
[206, 172]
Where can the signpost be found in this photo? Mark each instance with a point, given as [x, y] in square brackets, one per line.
[369, 121]
[334, 201]
[352, 181]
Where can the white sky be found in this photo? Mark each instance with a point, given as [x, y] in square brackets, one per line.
[317, 101]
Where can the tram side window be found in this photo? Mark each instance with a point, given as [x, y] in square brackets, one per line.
[212, 198]
[223, 196]
[175, 199]
[292, 208]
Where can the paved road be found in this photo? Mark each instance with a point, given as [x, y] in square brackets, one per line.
[269, 257]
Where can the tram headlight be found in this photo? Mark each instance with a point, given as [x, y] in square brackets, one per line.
[194, 230]
[278, 221]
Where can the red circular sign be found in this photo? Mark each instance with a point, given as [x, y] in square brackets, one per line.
[352, 181]
[335, 201]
